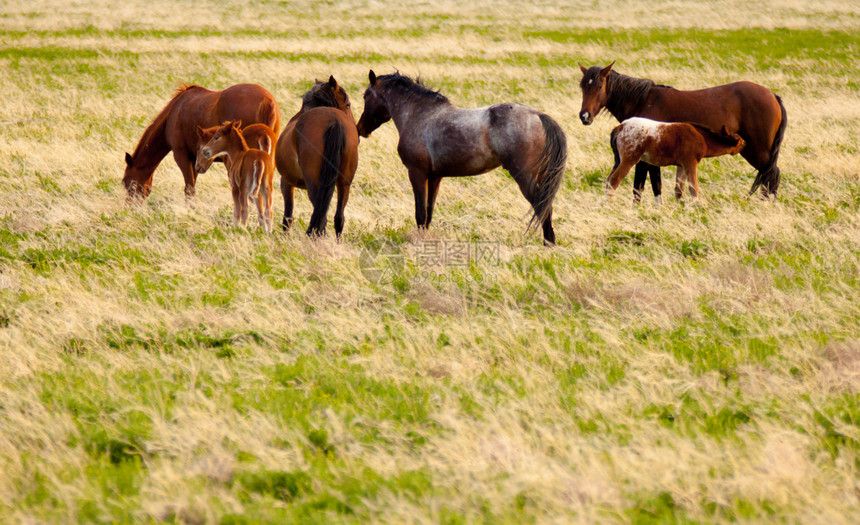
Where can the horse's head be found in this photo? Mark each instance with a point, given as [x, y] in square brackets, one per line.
[328, 94]
[734, 138]
[375, 111]
[136, 179]
[218, 143]
[203, 137]
[594, 95]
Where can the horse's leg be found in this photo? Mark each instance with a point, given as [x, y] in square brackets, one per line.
[419, 189]
[313, 190]
[639, 176]
[270, 215]
[237, 205]
[680, 181]
[186, 165]
[342, 198]
[432, 191]
[656, 183]
[262, 212]
[692, 178]
[548, 232]
[617, 175]
[289, 195]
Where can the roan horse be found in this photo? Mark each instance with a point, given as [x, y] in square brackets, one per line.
[258, 136]
[667, 144]
[438, 139]
[250, 172]
[750, 110]
[318, 151]
[175, 129]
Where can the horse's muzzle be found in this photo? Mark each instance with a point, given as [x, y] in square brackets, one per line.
[585, 117]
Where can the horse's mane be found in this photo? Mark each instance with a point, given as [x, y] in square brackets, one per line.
[158, 123]
[411, 88]
[320, 96]
[626, 93]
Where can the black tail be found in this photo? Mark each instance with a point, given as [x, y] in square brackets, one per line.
[614, 144]
[334, 140]
[769, 176]
[553, 160]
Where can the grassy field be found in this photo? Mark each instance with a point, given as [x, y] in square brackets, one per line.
[675, 363]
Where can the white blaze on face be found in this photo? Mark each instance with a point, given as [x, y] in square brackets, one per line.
[634, 132]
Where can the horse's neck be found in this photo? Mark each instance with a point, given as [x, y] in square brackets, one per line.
[236, 146]
[716, 145]
[153, 146]
[406, 113]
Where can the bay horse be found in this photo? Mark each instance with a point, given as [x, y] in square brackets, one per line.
[750, 110]
[667, 144]
[175, 129]
[250, 174]
[318, 151]
[258, 136]
[438, 139]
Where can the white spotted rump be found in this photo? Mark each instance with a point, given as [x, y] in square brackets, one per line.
[635, 132]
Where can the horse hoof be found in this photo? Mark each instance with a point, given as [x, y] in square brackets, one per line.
[658, 199]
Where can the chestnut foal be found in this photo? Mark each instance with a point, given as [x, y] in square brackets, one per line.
[250, 173]
[258, 136]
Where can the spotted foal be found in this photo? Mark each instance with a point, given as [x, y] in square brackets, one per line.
[667, 144]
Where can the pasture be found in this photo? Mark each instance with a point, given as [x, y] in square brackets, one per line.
[673, 363]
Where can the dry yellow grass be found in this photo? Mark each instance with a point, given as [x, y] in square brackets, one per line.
[664, 363]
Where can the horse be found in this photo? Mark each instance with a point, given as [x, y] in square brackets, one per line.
[667, 144]
[174, 129]
[258, 136]
[438, 139]
[250, 174]
[750, 110]
[318, 151]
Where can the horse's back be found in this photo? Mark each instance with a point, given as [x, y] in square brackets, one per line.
[251, 103]
[300, 147]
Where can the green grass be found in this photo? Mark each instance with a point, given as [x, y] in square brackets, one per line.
[683, 363]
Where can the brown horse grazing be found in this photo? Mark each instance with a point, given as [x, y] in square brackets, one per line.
[667, 144]
[258, 136]
[750, 110]
[318, 151]
[175, 129]
[438, 139]
[251, 172]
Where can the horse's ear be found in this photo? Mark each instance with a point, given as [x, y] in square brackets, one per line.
[199, 132]
[583, 69]
[605, 71]
[332, 83]
[237, 124]
[372, 77]
[128, 160]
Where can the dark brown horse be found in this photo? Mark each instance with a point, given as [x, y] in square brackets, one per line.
[438, 139]
[175, 129]
[750, 110]
[667, 144]
[318, 151]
